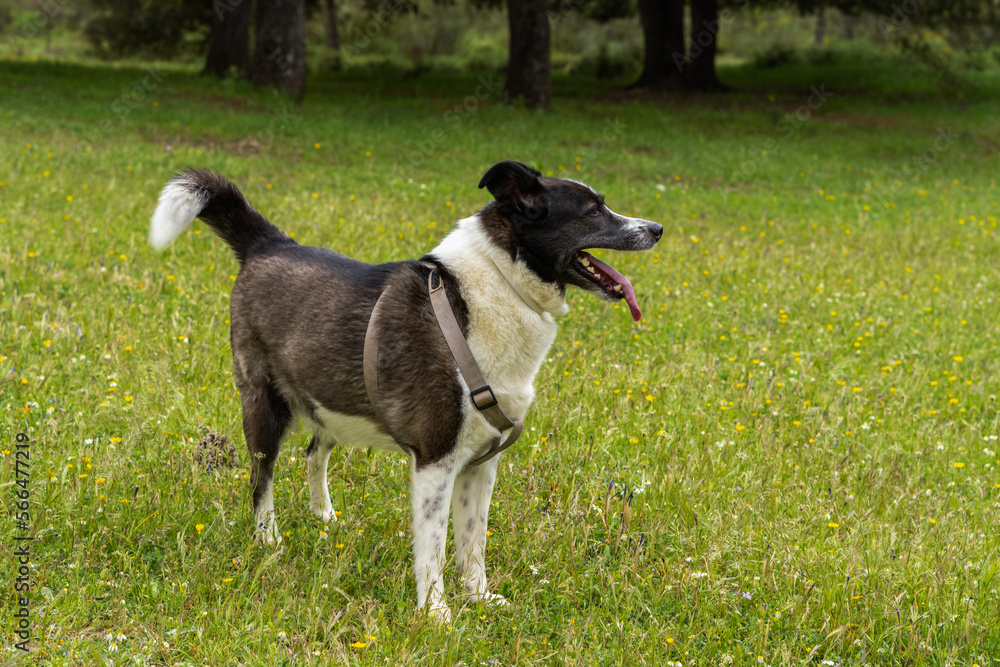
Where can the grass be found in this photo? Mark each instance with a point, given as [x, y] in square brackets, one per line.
[791, 460]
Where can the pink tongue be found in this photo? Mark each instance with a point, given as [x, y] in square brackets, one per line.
[627, 290]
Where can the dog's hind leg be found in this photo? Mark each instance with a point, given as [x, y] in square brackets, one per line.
[266, 415]
[470, 510]
[431, 487]
[317, 456]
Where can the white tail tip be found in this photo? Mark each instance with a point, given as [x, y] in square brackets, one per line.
[180, 203]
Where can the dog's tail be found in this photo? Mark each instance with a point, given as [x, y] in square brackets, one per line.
[199, 193]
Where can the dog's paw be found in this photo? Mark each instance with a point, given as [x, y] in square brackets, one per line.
[492, 599]
[326, 515]
[440, 614]
[435, 609]
[268, 535]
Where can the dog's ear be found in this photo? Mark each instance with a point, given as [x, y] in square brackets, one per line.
[515, 186]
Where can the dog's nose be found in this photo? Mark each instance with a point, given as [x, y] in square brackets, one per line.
[656, 230]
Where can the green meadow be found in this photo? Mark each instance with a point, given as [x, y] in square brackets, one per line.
[791, 460]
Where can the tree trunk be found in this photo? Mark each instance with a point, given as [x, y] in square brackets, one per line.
[279, 57]
[700, 71]
[820, 25]
[528, 74]
[848, 26]
[330, 21]
[229, 40]
[663, 33]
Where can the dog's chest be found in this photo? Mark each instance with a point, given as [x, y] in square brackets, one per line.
[510, 351]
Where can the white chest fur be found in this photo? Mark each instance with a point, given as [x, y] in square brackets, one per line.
[507, 337]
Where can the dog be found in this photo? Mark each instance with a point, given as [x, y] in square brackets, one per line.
[300, 316]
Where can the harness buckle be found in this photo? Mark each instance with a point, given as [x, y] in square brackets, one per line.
[483, 398]
[434, 281]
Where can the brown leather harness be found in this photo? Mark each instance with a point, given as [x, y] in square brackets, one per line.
[479, 391]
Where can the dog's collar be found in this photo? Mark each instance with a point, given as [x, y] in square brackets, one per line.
[528, 301]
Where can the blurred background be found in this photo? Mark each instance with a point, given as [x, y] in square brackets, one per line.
[654, 44]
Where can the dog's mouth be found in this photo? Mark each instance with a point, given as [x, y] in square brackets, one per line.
[614, 284]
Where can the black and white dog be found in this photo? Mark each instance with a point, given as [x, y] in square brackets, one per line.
[300, 314]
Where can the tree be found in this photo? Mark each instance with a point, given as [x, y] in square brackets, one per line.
[953, 18]
[229, 39]
[663, 32]
[699, 70]
[279, 57]
[121, 28]
[528, 70]
[330, 23]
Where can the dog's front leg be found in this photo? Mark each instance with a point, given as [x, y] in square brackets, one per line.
[471, 509]
[431, 488]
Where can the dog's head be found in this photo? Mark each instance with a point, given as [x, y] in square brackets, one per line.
[549, 223]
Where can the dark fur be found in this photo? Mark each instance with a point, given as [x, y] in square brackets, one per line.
[308, 344]
[544, 221]
[232, 218]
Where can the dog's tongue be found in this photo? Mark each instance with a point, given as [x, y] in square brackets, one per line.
[626, 286]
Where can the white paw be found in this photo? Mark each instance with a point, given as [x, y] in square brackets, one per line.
[440, 614]
[326, 515]
[268, 534]
[492, 599]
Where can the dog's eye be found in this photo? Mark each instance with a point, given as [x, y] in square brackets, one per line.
[595, 211]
